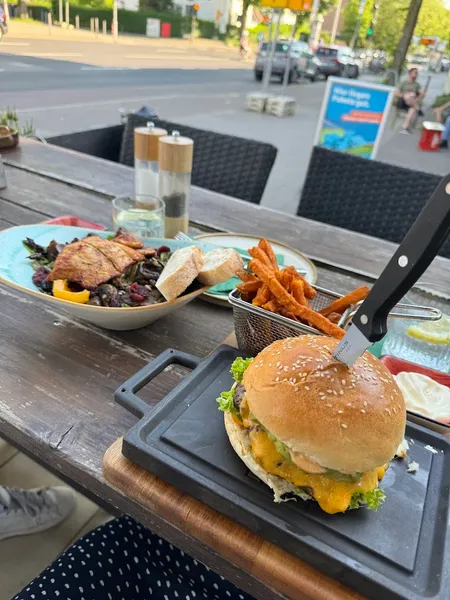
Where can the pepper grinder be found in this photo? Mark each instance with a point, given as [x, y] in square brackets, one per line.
[146, 171]
[3, 182]
[175, 164]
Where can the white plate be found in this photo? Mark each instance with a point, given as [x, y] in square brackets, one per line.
[244, 242]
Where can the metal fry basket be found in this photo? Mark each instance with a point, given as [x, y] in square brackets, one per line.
[257, 328]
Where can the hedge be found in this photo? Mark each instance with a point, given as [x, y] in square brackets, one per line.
[129, 21]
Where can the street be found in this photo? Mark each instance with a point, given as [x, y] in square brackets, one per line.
[74, 84]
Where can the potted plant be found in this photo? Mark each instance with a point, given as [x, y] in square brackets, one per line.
[9, 129]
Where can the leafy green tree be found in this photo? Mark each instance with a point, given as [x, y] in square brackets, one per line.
[351, 19]
[161, 6]
[433, 20]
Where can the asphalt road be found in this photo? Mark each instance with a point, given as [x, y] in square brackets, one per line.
[72, 85]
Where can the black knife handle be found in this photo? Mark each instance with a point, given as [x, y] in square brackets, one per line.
[417, 250]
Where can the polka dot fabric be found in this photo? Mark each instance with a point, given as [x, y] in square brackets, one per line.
[123, 560]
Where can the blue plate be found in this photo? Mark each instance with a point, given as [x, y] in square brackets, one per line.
[16, 271]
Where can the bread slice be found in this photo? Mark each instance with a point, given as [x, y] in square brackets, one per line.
[183, 267]
[220, 265]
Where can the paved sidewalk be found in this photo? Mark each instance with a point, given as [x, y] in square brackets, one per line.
[37, 30]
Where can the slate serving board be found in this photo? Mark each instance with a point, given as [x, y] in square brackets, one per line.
[401, 551]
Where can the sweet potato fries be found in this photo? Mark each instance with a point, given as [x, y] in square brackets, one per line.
[286, 292]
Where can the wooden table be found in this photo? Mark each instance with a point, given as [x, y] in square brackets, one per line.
[58, 375]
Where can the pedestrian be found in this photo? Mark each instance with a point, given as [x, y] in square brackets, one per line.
[410, 94]
[23, 512]
[446, 134]
[122, 560]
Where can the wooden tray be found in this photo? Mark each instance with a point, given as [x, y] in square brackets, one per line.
[285, 574]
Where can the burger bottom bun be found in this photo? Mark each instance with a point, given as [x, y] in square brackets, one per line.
[240, 440]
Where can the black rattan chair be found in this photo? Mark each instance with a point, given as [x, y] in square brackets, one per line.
[222, 163]
[363, 195]
[104, 142]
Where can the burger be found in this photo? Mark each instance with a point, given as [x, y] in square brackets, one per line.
[312, 428]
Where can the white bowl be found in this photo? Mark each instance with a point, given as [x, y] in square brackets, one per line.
[16, 272]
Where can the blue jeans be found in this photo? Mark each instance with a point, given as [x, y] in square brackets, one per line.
[446, 132]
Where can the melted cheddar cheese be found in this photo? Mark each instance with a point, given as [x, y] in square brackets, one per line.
[333, 496]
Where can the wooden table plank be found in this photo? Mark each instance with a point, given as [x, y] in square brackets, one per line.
[50, 198]
[275, 567]
[355, 252]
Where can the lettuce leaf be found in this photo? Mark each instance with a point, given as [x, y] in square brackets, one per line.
[239, 367]
[371, 500]
[225, 401]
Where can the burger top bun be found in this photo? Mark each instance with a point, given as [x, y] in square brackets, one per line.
[346, 419]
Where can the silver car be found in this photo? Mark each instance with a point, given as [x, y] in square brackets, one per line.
[301, 61]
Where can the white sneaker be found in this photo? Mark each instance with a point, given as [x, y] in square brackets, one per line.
[405, 131]
[24, 512]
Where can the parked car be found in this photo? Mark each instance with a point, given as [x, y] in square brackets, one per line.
[445, 63]
[337, 60]
[301, 60]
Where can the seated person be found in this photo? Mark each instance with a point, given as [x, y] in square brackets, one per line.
[410, 94]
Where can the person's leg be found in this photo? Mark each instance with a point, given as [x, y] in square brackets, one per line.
[24, 512]
[446, 134]
[123, 560]
[410, 115]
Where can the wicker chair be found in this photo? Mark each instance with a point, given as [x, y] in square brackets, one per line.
[363, 195]
[222, 163]
[104, 142]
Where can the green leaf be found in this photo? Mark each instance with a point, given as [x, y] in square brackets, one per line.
[371, 500]
[225, 401]
[239, 367]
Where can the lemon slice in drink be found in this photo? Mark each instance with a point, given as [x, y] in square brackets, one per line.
[433, 332]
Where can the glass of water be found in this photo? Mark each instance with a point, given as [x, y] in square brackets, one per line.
[144, 217]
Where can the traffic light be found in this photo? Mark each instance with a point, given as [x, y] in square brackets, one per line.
[196, 7]
[369, 31]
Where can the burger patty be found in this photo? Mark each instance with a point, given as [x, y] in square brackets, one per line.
[238, 396]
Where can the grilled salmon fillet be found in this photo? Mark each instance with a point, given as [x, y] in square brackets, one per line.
[84, 264]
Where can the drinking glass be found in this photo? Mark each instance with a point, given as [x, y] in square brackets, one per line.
[144, 217]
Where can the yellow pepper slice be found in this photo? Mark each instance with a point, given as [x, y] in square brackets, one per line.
[61, 290]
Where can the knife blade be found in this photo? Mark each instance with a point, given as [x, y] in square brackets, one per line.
[417, 250]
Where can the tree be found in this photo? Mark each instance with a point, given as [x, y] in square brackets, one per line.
[434, 19]
[351, 19]
[405, 40]
[162, 6]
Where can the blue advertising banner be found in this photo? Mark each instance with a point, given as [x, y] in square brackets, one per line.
[352, 117]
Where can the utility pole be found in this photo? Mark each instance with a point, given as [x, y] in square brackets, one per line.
[6, 10]
[61, 16]
[337, 16]
[362, 6]
[194, 10]
[314, 22]
[115, 23]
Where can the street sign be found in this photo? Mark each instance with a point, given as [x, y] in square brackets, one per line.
[300, 5]
[428, 41]
[153, 28]
[353, 116]
[274, 3]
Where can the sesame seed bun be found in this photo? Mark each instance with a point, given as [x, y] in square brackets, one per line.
[350, 420]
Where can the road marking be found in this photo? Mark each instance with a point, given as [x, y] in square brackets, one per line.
[52, 54]
[109, 68]
[24, 44]
[178, 57]
[120, 101]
